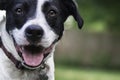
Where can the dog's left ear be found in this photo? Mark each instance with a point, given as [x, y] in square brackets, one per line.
[70, 8]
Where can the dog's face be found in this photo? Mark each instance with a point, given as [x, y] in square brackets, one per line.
[36, 25]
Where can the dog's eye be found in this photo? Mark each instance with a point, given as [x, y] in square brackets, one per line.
[19, 11]
[52, 13]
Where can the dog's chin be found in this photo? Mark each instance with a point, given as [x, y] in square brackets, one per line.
[33, 55]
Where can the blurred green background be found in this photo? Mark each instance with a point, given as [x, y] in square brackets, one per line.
[92, 53]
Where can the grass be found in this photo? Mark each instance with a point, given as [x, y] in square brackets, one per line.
[66, 73]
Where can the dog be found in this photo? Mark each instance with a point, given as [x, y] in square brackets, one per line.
[29, 33]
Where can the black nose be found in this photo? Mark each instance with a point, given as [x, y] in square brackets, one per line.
[34, 33]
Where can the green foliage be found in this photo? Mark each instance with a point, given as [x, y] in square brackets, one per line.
[102, 60]
[100, 11]
[67, 73]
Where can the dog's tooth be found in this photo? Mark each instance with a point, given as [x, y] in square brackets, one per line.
[22, 49]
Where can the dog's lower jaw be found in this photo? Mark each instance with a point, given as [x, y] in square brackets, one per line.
[10, 72]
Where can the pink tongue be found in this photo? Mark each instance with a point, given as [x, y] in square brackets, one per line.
[33, 59]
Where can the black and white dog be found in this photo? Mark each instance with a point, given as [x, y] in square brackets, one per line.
[29, 33]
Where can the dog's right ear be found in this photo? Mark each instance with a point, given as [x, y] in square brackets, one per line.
[69, 8]
[3, 4]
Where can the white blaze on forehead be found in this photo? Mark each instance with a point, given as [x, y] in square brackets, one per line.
[39, 16]
[40, 3]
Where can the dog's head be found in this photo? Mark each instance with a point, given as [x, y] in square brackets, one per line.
[36, 25]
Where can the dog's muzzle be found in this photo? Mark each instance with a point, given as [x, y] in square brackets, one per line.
[33, 56]
[26, 64]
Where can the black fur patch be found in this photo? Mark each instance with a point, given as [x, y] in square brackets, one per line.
[15, 19]
[56, 22]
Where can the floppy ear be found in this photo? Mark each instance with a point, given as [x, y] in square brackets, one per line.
[71, 9]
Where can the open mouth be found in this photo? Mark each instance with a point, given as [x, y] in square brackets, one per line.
[33, 55]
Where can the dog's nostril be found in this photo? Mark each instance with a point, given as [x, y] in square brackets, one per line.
[34, 32]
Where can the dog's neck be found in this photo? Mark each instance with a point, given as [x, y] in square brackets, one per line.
[7, 44]
[7, 40]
